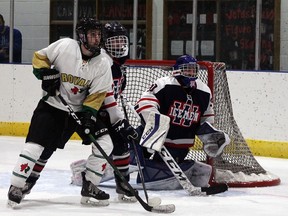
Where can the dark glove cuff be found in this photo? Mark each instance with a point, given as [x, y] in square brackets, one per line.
[48, 72]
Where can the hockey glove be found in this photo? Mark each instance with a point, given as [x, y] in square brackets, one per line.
[88, 121]
[126, 131]
[214, 141]
[50, 80]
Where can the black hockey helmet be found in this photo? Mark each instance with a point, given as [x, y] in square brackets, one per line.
[116, 40]
[83, 26]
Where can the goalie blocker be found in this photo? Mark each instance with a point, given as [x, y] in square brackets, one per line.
[155, 131]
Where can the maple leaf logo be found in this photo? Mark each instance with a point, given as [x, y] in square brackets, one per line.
[24, 167]
[104, 166]
[75, 90]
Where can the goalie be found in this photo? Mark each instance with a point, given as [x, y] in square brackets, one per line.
[187, 101]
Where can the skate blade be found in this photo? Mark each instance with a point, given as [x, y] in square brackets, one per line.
[94, 202]
[127, 199]
[12, 204]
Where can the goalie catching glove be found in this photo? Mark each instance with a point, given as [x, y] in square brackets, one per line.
[126, 130]
[50, 80]
[214, 141]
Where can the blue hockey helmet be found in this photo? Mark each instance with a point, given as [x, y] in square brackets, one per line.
[187, 65]
[187, 69]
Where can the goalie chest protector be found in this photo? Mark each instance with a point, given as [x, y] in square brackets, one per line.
[185, 111]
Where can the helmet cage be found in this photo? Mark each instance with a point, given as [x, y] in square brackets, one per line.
[189, 70]
[117, 46]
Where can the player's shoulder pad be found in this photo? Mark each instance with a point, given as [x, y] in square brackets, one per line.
[68, 41]
[202, 86]
[158, 84]
[106, 55]
[65, 44]
[164, 81]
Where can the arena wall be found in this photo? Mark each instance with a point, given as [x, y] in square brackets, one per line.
[259, 100]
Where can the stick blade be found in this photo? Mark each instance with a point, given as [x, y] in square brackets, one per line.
[215, 189]
[169, 208]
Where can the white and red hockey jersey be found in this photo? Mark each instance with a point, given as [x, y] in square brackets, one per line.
[110, 103]
[186, 111]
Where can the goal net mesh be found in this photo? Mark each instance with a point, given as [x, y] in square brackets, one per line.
[236, 166]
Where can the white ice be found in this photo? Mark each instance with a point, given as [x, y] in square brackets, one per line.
[53, 194]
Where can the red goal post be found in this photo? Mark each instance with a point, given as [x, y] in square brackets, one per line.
[236, 166]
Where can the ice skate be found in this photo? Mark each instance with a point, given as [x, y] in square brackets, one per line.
[124, 193]
[92, 195]
[14, 196]
[30, 182]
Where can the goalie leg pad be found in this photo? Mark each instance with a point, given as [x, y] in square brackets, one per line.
[199, 174]
[160, 177]
[77, 167]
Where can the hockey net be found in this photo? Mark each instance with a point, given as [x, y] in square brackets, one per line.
[236, 166]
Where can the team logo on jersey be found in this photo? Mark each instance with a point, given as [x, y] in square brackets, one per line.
[75, 90]
[104, 166]
[75, 80]
[24, 167]
[184, 114]
[117, 86]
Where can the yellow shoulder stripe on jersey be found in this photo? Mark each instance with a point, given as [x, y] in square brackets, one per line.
[40, 61]
[95, 100]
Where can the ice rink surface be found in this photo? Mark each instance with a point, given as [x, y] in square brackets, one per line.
[53, 194]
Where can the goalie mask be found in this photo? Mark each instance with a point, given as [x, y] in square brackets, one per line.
[187, 69]
[83, 26]
[115, 39]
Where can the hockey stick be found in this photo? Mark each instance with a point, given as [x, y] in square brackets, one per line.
[155, 200]
[181, 176]
[169, 208]
[183, 179]
[152, 201]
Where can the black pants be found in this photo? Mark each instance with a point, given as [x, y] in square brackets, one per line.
[50, 127]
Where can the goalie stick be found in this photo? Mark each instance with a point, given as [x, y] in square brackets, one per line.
[169, 208]
[178, 172]
[183, 179]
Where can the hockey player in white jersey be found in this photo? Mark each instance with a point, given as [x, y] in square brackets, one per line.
[82, 75]
[187, 101]
[117, 46]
